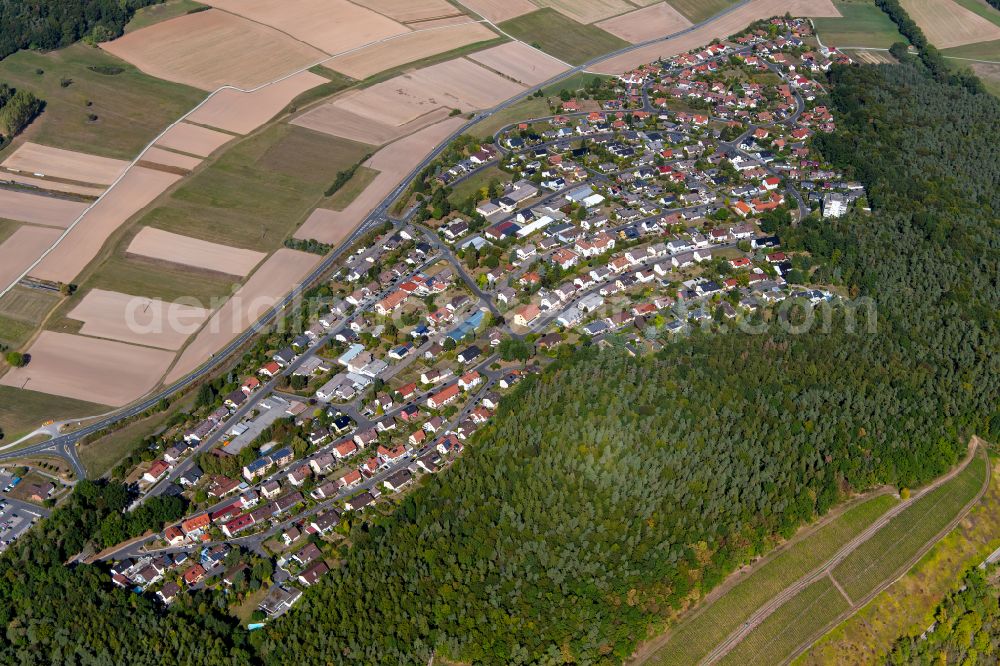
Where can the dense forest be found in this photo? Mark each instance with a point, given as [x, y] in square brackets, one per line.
[610, 491]
[966, 627]
[50, 24]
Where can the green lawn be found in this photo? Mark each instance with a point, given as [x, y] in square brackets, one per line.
[260, 190]
[471, 185]
[147, 16]
[23, 411]
[881, 557]
[21, 311]
[343, 197]
[861, 24]
[694, 638]
[697, 11]
[131, 107]
[562, 37]
[785, 629]
[14, 332]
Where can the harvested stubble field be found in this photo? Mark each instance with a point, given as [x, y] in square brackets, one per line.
[50, 184]
[520, 62]
[393, 162]
[268, 285]
[335, 121]
[882, 555]
[499, 10]
[408, 48]
[188, 138]
[407, 11]
[782, 632]
[907, 606]
[650, 22]
[213, 48]
[587, 11]
[157, 279]
[131, 107]
[726, 25]
[158, 156]
[21, 249]
[38, 208]
[259, 191]
[137, 320]
[697, 11]
[562, 37]
[948, 24]
[67, 164]
[162, 245]
[695, 637]
[243, 112]
[332, 26]
[82, 368]
[134, 191]
[21, 312]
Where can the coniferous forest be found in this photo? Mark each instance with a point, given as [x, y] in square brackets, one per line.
[610, 491]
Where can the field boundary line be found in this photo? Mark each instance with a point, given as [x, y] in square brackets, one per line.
[840, 588]
[780, 599]
[905, 567]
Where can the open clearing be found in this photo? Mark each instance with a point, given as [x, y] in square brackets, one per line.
[697, 11]
[520, 62]
[74, 366]
[50, 184]
[587, 11]
[137, 320]
[174, 248]
[907, 606]
[499, 10]
[695, 637]
[243, 112]
[21, 249]
[948, 24]
[257, 193]
[881, 556]
[188, 138]
[562, 37]
[332, 26]
[781, 633]
[131, 107]
[394, 162]
[58, 163]
[407, 11]
[39, 208]
[860, 24]
[657, 20]
[21, 411]
[133, 193]
[167, 158]
[408, 48]
[268, 285]
[723, 27]
[213, 48]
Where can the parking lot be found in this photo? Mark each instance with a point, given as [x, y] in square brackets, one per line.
[15, 516]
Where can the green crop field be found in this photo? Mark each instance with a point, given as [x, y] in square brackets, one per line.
[694, 638]
[860, 24]
[147, 16]
[562, 37]
[132, 275]
[977, 51]
[260, 190]
[882, 556]
[697, 11]
[785, 629]
[131, 108]
[23, 411]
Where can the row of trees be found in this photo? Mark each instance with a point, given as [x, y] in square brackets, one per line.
[17, 109]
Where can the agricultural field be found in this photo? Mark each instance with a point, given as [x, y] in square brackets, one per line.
[343, 197]
[979, 51]
[100, 456]
[587, 11]
[881, 556]
[500, 10]
[520, 62]
[259, 191]
[860, 24]
[410, 11]
[947, 23]
[562, 37]
[21, 411]
[112, 110]
[159, 280]
[784, 630]
[650, 22]
[695, 637]
[147, 16]
[908, 604]
[697, 11]
[158, 245]
[65, 164]
[138, 320]
[21, 249]
[980, 7]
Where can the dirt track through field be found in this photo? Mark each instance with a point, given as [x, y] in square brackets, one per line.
[193, 139]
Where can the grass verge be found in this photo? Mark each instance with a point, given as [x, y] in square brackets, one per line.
[562, 37]
[22, 411]
[100, 456]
